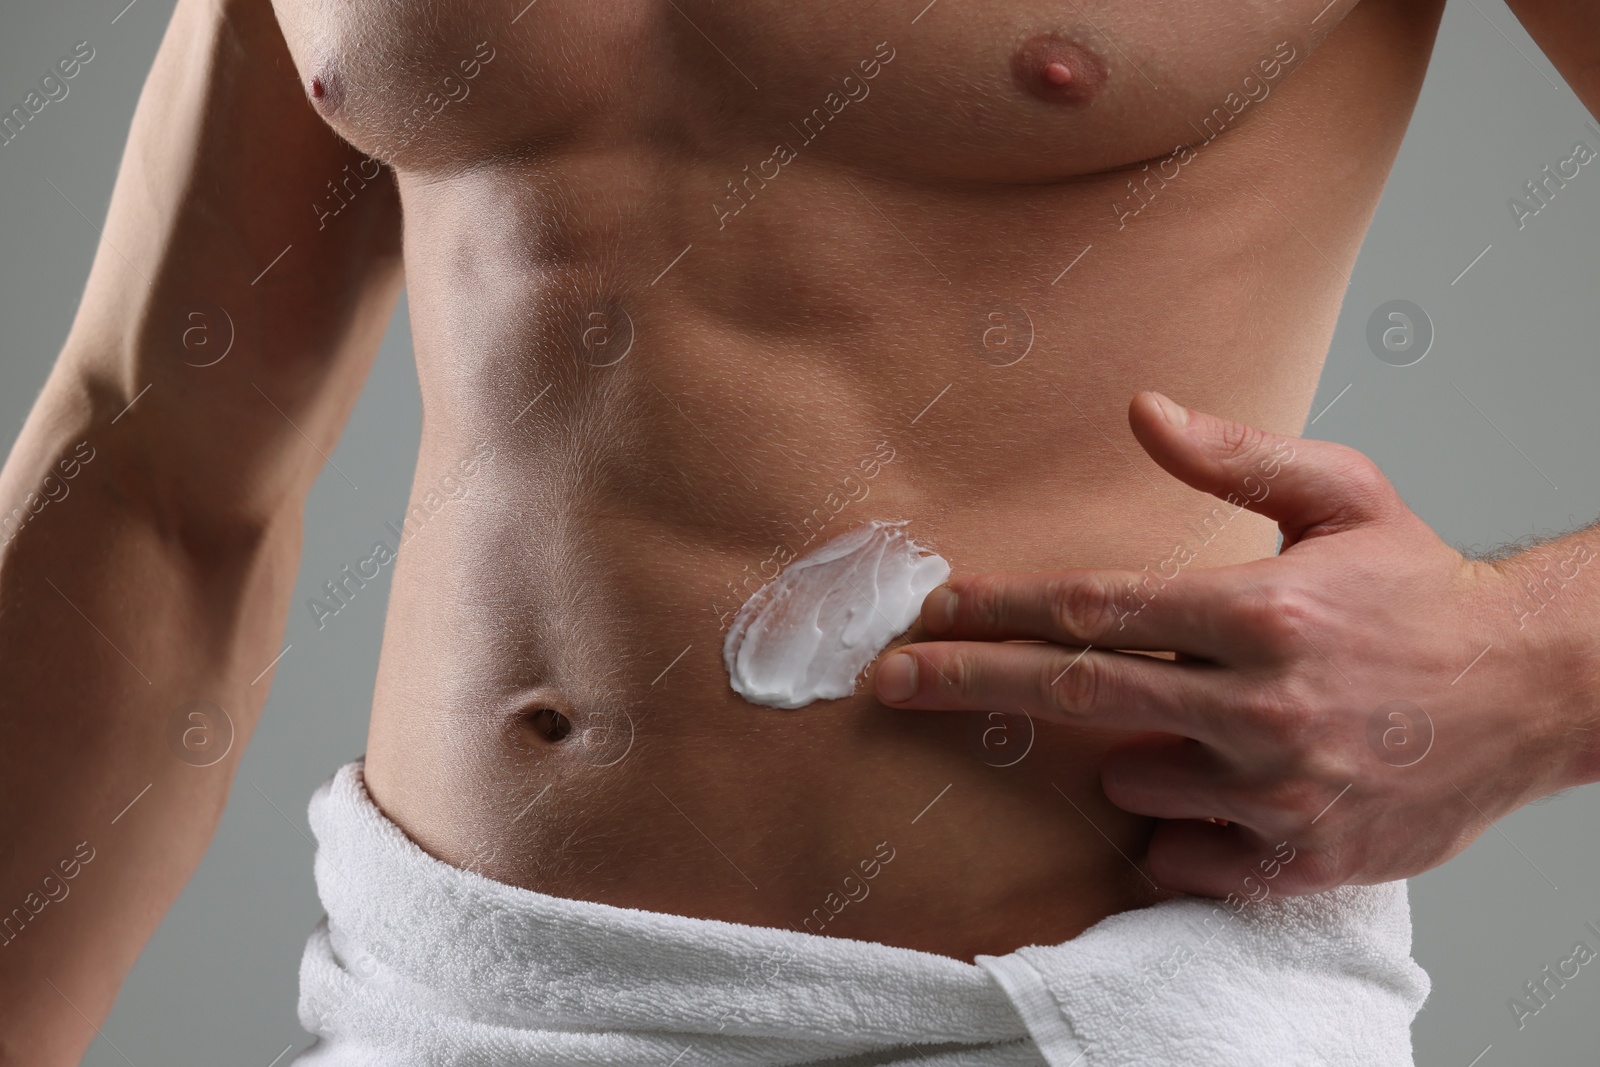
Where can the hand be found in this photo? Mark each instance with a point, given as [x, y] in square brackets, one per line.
[1368, 696]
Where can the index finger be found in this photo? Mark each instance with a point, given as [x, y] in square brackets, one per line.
[1081, 687]
[1141, 610]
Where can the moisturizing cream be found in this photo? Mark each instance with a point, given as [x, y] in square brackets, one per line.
[807, 634]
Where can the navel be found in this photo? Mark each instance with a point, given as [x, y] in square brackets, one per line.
[549, 724]
[1058, 70]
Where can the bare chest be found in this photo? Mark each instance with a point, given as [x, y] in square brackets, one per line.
[1016, 90]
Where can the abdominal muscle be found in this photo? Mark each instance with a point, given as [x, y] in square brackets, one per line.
[663, 434]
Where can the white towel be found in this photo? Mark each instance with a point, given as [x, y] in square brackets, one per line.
[421, 963]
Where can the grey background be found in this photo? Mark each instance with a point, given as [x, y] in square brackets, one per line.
[1514, 336]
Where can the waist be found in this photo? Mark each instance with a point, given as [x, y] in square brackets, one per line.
[414, 952]
[671, 793]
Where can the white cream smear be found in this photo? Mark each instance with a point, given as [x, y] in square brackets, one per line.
[808, 633]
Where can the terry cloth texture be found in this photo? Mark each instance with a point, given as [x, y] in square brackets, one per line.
[420, 963]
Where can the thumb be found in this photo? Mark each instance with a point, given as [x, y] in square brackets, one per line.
[1308, 487]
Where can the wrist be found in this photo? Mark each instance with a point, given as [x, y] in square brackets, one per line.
[1548, 593]
[1582, 709]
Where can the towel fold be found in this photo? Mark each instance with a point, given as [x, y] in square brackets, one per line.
[420, 963]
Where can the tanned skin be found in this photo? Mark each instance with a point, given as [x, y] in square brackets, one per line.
[164, 576]
[837, 318]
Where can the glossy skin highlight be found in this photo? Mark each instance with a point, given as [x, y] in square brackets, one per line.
[570, 198]
[550, 629]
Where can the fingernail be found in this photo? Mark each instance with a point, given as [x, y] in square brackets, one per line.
[939, 610]
[1176, 414]
[897, 678]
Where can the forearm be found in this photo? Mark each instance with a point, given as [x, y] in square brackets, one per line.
[1568, 31]
[150, 509]
[1550, 622]
[108, 629]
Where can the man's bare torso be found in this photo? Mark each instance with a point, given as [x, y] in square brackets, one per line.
[696, 286]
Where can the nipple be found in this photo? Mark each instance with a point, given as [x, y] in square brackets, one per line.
[326, 93]
[1057, 70]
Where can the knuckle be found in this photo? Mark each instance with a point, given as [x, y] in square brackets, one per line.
[1252, 610]
[1293, 800]
[1357, 467]
[1277, 615]
[1073, 688]
[958, 674]
[1364, 480]
[1291, 604]
[1238, 608]
[982, 603]
[1082, 608]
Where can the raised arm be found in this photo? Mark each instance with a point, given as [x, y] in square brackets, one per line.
[1568, 32]
[150, 510]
